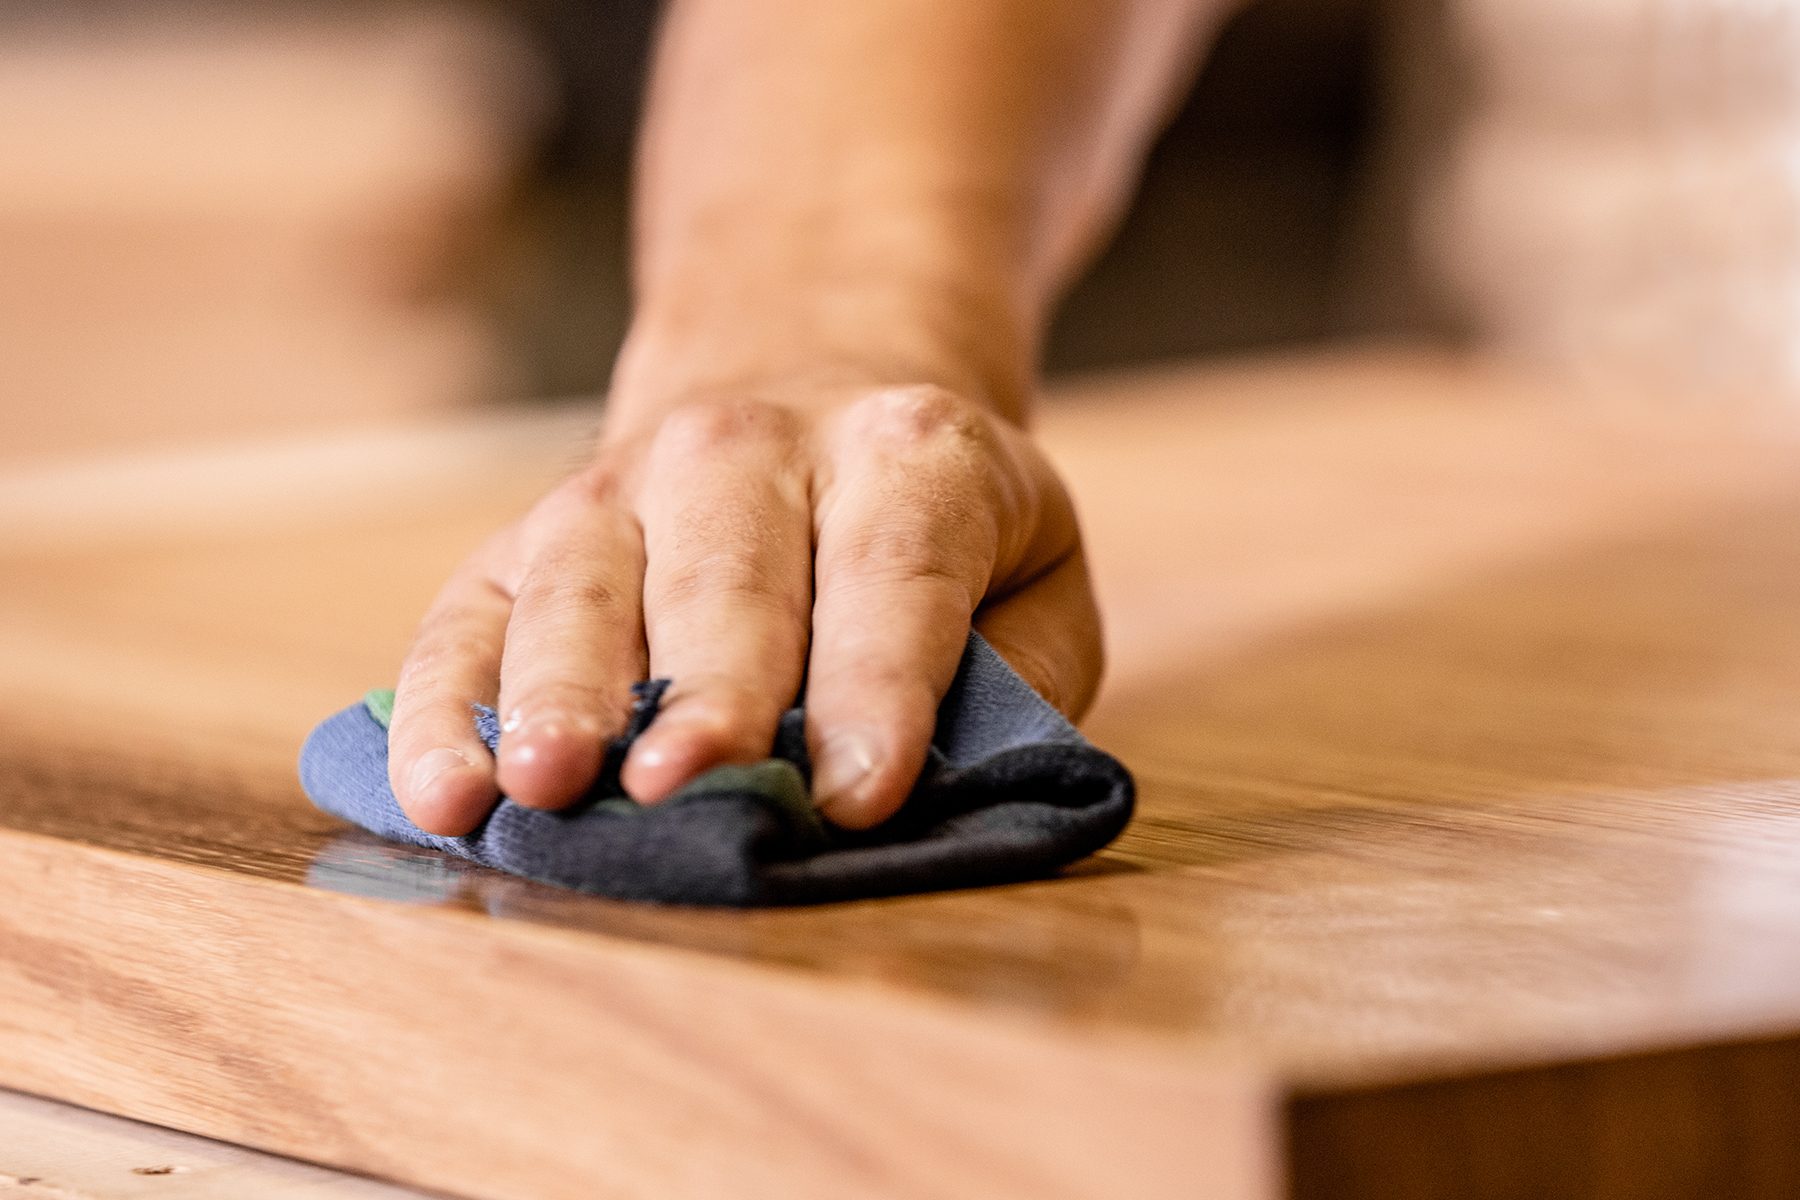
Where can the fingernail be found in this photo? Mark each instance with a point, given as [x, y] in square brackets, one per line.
[522, 733]
[648, 751]
[681, 746]
[431, 765]
[845, 761]
[678, 733]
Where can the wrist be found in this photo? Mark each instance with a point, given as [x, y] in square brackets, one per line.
[663, 366]
[815, 313]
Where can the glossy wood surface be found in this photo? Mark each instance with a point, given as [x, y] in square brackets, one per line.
[1466, 713]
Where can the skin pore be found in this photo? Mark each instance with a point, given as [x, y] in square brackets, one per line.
[852, 223]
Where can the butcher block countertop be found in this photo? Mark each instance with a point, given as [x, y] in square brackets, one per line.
[1465, 711]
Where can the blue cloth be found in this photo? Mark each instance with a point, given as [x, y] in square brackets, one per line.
[1010, 791]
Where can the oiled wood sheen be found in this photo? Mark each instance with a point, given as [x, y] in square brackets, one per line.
[1467, 719]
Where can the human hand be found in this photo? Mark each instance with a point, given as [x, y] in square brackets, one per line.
[846, 536]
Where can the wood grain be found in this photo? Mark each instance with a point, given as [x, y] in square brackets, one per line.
[1704, 1121]
[56, 1152]
[1467, 718]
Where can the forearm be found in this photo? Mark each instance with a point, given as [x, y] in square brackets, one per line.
[886, 191]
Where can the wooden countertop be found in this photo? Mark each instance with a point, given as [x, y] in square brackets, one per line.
[54, 1151]
[1466, 714]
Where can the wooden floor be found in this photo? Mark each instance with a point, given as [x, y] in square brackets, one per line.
[1466, 715]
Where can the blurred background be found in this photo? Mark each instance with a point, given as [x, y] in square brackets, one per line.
[219, 219]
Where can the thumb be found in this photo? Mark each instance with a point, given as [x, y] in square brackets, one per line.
[1049, 632]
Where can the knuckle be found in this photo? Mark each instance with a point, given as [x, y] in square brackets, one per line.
[561, 695]
[598, 487]
[910, 553]
[915, 417]
[424, 664]
[722, 577]
[560, 587]
[599, 482]
[450, 641]
[710, 427]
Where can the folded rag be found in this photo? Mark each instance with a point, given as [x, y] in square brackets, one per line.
[1010, 791]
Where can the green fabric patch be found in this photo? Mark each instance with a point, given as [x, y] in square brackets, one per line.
[380, 703]
[774, 780]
